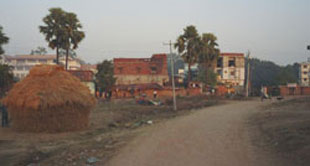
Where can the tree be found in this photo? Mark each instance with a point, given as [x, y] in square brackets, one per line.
[6, 78]
[54, 29]
[208, 54]
[73, 34]
[39, 51]
[6, 75]
[3, 40]
[105, 78]
[211, 78]
[63, 53]
[188, 46]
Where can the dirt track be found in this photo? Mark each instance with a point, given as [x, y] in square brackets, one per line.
[215, 136]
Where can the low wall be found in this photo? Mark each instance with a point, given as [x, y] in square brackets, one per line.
[291, 91]
[163, 93]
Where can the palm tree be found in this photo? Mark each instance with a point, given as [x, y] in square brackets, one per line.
[209, 51]
[3, 40]
[53, 29]
[188, 46]
[73, 34]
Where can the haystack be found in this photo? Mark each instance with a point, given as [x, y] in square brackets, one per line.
[49, 99]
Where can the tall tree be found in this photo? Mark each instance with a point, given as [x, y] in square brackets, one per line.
[39, 51]
[105, 78]
[54, 29]
[208, 54]
[63, 53]
[188, 46]
[3, 40]
[73, 34]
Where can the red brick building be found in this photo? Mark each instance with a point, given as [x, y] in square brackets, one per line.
[141, 70]
[86, 77]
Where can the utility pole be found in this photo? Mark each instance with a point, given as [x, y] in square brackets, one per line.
[248, 75]
[172, 75]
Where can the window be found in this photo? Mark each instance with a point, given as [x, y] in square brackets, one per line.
[43, 61]
[305, 72]
[153, 70]
[220, 62]
[219, 72]
[305, 79]
[21, 61]
[231, 62]
[232, 73]
[305, 66]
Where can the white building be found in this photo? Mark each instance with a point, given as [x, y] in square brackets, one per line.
[305, 74]
[23, 63]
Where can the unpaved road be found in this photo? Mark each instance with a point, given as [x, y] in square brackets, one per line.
[214, 136]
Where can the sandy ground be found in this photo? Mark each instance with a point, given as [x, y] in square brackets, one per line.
[215, 136]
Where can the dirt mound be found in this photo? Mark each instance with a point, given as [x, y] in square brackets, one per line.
[49, 99]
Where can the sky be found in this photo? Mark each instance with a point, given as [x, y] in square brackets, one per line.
[276, 30]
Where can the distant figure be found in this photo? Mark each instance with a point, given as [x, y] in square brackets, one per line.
[155, 94]
[5, 116]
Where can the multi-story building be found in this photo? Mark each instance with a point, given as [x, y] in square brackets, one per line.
[231, 69]
[141, 70]
[304, 74]
[23, 63]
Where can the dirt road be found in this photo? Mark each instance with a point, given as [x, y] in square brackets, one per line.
[215, 136]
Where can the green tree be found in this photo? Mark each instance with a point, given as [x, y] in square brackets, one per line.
[6, 78]
[105, 78]
[73, 34]
[54, 29]
[39, 51]
[188, 46]
[3, 40]
[6, 75]
[210, 80]
[208, 54]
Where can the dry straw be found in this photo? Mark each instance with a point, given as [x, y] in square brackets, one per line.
[49, 99]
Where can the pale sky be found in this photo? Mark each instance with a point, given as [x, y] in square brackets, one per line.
[276, 30]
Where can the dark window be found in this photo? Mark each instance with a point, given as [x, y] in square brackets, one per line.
[305, 66]
[305, 79]
[220, 62]
[232, 73]
[232, 63]
[305, 72]
[153, 70]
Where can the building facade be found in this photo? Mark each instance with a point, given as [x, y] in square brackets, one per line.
[304, 74]
[141, 70]
[23, 63]
[86, 77]
[231, 69]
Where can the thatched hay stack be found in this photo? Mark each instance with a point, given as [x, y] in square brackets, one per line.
[49, 99]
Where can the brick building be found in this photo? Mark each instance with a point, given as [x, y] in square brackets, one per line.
[86, 77]
[141, 70]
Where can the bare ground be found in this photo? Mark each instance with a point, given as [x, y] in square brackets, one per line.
[215, 136]
[283, 128]
[237, 133]
[113, 124]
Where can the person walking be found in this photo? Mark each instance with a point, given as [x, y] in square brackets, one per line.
[5, 116]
